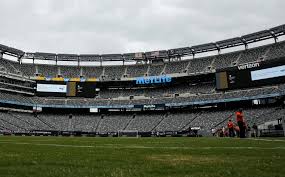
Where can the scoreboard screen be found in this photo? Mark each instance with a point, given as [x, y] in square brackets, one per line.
[222, 80]
[268, 73]
[55, 88]
[251, 75]
[66, 89]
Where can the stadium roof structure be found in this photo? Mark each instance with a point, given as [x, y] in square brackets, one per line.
[129, 56]
[112, 57]
[233, 42]
[257, 36]
[204, 48]
[152, 55]
[67, 57]
[156, 54]
[278, 30]
[184, 51]
[11, 51]
[45, 56]
[89, 57]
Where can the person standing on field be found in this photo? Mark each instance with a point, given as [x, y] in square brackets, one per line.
[255, 130]
[241, 123]
[231, 128]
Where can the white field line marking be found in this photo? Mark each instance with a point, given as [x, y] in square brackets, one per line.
[260, 139]
[139, 147]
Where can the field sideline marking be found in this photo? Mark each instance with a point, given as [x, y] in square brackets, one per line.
[139, 147]
[261, 139]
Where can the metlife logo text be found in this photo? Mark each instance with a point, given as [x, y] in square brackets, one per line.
[153, 80]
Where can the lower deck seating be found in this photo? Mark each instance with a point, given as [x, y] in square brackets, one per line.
[142, 122]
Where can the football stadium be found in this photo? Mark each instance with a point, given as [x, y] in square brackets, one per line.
[189, 111]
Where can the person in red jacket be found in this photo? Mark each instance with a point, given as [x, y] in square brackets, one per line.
[241, 123]
[231, 128]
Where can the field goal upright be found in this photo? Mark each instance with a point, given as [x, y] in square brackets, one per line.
[128, 133]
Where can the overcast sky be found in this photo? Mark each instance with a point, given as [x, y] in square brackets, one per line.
[120, 26]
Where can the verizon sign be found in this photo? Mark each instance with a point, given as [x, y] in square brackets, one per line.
[248, 66]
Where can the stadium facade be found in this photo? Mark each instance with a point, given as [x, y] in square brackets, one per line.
[166, 91]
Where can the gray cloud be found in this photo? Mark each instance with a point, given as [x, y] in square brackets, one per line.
[118, 26]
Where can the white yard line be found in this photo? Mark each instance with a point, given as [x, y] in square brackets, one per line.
[261, 139]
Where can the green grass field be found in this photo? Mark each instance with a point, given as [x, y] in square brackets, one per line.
[143, 157]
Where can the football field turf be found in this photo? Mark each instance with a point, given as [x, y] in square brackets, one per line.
[143, 157]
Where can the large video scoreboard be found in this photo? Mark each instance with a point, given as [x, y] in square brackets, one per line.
[251, 75]
[66, 89]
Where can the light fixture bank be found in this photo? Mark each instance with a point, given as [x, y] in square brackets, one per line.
[153, 80]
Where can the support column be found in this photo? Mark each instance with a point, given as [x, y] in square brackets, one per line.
[283, 124]
[37, 69]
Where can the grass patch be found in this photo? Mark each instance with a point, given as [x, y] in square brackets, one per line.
[144, 157]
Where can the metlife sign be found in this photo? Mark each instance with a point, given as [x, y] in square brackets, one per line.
[153, 80]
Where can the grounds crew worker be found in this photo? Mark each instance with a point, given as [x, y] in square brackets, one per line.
[240, 122]
[231, 128]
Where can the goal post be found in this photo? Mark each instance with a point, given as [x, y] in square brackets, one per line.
[128, 133]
